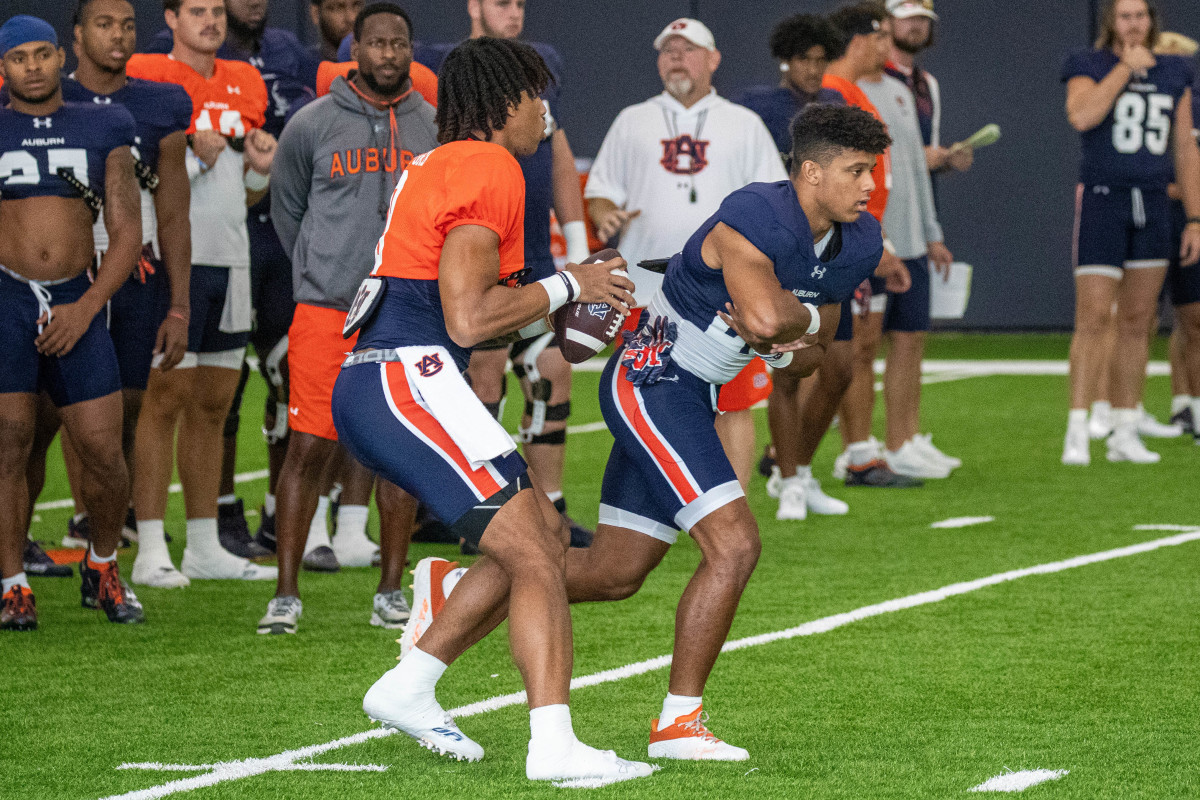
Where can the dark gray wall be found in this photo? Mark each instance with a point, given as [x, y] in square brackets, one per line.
[1011, 216]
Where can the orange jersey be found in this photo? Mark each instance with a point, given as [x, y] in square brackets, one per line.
[423, 79]
[231, 102]
[883, 165]
[460, 183]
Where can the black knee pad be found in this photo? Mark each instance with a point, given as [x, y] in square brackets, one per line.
[554, 437]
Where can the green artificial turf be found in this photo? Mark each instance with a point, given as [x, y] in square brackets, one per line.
[1091, 670]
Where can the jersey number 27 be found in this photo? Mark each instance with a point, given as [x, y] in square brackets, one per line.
[1142, 120]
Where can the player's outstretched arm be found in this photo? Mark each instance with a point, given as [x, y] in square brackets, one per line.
[123, 220]
[1187, 170]
[477, 309]
[172, 204]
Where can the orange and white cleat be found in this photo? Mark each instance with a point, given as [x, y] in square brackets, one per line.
[428, 598]
[689, 739]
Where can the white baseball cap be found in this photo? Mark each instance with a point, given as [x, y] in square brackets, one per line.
[693, 30]
[903, 9]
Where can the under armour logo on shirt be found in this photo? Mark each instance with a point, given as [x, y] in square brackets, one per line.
[43, 122]
[818, 272]
[102, 101]
[233, 89]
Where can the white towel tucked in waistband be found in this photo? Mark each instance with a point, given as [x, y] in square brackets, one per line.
[440, 388]
[238, 315]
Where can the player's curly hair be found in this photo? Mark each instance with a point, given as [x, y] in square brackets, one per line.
[481, 80]
[799, 33]
[821, 132]
[858, 19]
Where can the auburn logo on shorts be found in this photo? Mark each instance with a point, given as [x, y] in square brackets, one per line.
[430, 365]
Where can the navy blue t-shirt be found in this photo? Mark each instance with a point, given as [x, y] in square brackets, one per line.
[770, 217]
[1132, 146]
[538, 168]
[78, 136]
[778, 106]
[158, 110]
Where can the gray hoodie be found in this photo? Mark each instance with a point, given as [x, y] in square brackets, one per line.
[331, 182]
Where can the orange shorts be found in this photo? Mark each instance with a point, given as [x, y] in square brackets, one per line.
[316, 351]
[751, 386]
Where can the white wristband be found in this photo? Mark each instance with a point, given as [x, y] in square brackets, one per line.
[255, 181]
[533, 329]
[577, 241]
[561, 288]
[814, 324]
[195, 167]
[777, 360]
[888, 246]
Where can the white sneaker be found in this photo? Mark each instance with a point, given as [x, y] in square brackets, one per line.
[773, 482]
[223, 565]
[390, 610]
[159, 573]
[910, 461]
[580, 766]
[689, 739]
[925, 444]
[428, 599]
[820, 503]
[354, 548]
[283, 614]
[1125, 445]
[793, 500]
[839, 466]
[423, 720]
[1076, 447]
[1148, 426]
[1100, 422]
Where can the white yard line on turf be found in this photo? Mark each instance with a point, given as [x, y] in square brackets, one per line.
[1019, 781]
[175, 488]
[962, 522]
[236, 770]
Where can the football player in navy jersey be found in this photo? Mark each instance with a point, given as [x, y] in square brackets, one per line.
[148, 315]
[290, 71]
[1134, 111]
[551, 182]
[61, 165]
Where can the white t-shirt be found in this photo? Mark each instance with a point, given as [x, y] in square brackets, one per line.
[676, 165]
[218, 214]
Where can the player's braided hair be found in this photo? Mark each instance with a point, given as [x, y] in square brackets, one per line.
[821, 132]
[481, 80]
[799, 33]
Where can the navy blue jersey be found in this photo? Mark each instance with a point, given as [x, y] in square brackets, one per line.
[538, 168]
[158, 110]
[78, 136]
[1132, 146]
[778, 106]
[770, 217]
[288, 68]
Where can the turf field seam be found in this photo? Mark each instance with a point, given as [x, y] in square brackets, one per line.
[236, 770]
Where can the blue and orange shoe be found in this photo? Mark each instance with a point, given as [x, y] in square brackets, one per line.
[103, 588]
[18, 610]
[689, 739]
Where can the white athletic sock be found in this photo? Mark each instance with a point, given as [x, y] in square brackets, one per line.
[269, 505]
[352, 520]
[318, 529]
[418, 672]
[1101, 407]
[451, 580]
[227, 499]
[1179, 402]
[674, 707]
[804, 472]
[554, 496]
[16, 580]
[861, 452]
[1124, 419]
[152, 540]
[335, 492]
[551, 725]
[1195, 411]
[95, 559]
[202, 537]
[1077, 417]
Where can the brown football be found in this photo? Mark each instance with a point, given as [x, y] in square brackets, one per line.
[582, 330]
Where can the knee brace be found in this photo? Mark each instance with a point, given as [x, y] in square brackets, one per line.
[277, 393]
[234, 419]
[496, 409]
[537, 407]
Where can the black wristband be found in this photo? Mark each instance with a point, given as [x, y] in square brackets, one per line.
[570, 286]
[1192, 221]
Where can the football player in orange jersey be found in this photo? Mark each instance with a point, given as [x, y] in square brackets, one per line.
[229, 161]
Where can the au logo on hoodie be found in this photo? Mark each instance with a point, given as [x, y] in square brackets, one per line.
[367, 159]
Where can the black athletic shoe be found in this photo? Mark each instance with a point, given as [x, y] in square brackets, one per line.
[879, 475]
[321, 559]
[766, 463]
[234, 534]
[18, 610]
[1184, 420]
[265, 535]
[79, 534]
[38, 563]
[103, 588]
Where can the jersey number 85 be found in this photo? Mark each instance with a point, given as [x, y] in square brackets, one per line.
[1142, 119]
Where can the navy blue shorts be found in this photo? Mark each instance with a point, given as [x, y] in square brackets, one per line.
[391, 432]
[845, 329]
[1182, 282]
[87, 372]
[135, 313]
[667, 469]
[1114, 231]
[270, 285]
[908, 312]
[208, 288]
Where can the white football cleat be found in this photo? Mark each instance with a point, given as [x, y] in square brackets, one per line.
[1124, 445]
[1100, 421]
[159, 573]
[428, 599]
[839, 466]
[283, 615]
[422, 719]
[1077, 447]
[774, 481]
[223, 565]
[925, 445]
[580, 765]
[910, 461]
[390, 610]
[820, 503]
[689, 739]
[793, 499]
[1150, 427]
